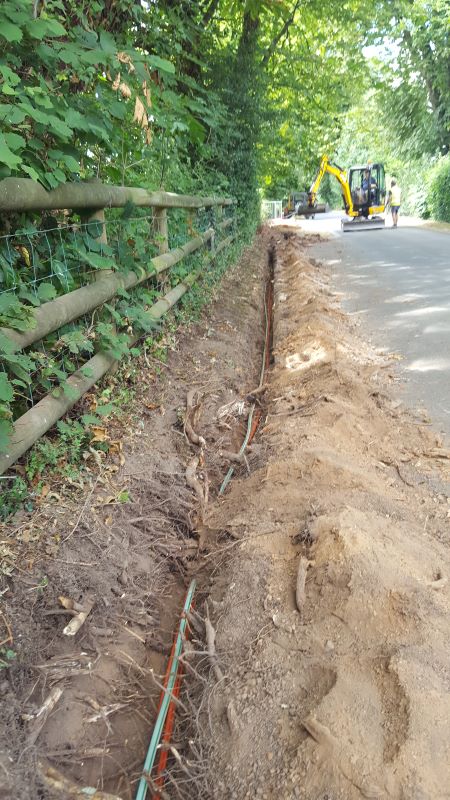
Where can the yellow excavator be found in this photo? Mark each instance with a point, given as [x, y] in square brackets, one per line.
[363, 193]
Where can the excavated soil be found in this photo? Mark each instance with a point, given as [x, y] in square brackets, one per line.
[343, 693]
[337, 690]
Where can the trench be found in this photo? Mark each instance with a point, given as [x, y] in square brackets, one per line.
[137, 559]
[171, 731]
[161, 752]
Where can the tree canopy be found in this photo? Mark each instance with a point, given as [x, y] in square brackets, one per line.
[222, 95]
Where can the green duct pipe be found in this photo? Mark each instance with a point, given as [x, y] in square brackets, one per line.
[165, 703]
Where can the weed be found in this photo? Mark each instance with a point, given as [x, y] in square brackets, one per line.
[7, 656]
[14, 495]
[64, 452]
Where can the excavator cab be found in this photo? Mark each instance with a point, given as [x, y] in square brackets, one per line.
[368, 189]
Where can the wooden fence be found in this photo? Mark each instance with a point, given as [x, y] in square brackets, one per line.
[92, 199]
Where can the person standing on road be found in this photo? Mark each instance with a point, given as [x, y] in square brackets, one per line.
[394, 198]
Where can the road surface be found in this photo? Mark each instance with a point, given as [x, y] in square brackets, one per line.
[398, 281]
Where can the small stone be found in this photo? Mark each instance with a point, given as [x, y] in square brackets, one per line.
[329, 645]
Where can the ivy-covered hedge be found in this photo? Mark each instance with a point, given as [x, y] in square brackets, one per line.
[438, 199]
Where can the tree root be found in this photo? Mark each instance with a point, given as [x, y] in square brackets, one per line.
[192, 410]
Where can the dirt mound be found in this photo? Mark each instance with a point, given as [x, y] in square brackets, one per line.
[344, 693]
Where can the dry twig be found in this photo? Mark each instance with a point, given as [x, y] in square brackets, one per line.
[211, 647]
[300, 591]
[59, 783]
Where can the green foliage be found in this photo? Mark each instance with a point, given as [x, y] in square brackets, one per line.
[14, 494]
[7, 657]
[63, 453]
[438, 195]
[84, 90]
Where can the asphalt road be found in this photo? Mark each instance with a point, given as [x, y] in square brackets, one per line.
[398, 281]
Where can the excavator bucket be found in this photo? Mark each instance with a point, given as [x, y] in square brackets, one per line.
[310, 211]
[362, 224]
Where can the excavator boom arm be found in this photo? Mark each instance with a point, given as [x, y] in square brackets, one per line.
[327, 167]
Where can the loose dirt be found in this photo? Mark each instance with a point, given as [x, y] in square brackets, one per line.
[323, 569]
[345, 693]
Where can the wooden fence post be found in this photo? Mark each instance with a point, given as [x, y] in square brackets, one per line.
[161, 229]
[97, 215]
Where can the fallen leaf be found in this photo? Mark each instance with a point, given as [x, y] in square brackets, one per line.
[99, 434]
[147, 94]
[104, 501]
[24, 253]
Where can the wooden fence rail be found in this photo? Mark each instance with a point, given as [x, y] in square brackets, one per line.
[23, 194]
[93, 198]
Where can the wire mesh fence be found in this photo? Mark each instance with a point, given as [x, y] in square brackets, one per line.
[60, 253]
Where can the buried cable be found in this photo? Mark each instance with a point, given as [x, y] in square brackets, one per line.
[170, 691]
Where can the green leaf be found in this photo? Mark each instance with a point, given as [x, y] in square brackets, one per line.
[107, 43]
[90, 419]
[7, 156]
[46, 291]
[97, 261]
[87, 372]
[162, 64]
[11, 114]
[6, 390]
[45, 28]
[14, 141]
[8, 302]
[71, 163]
[30, 171]
[25, 294]
[10, 32]
[69, 391]
[6, 345]
[106, 409]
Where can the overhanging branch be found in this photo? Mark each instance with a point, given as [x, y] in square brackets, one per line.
[282, 32]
